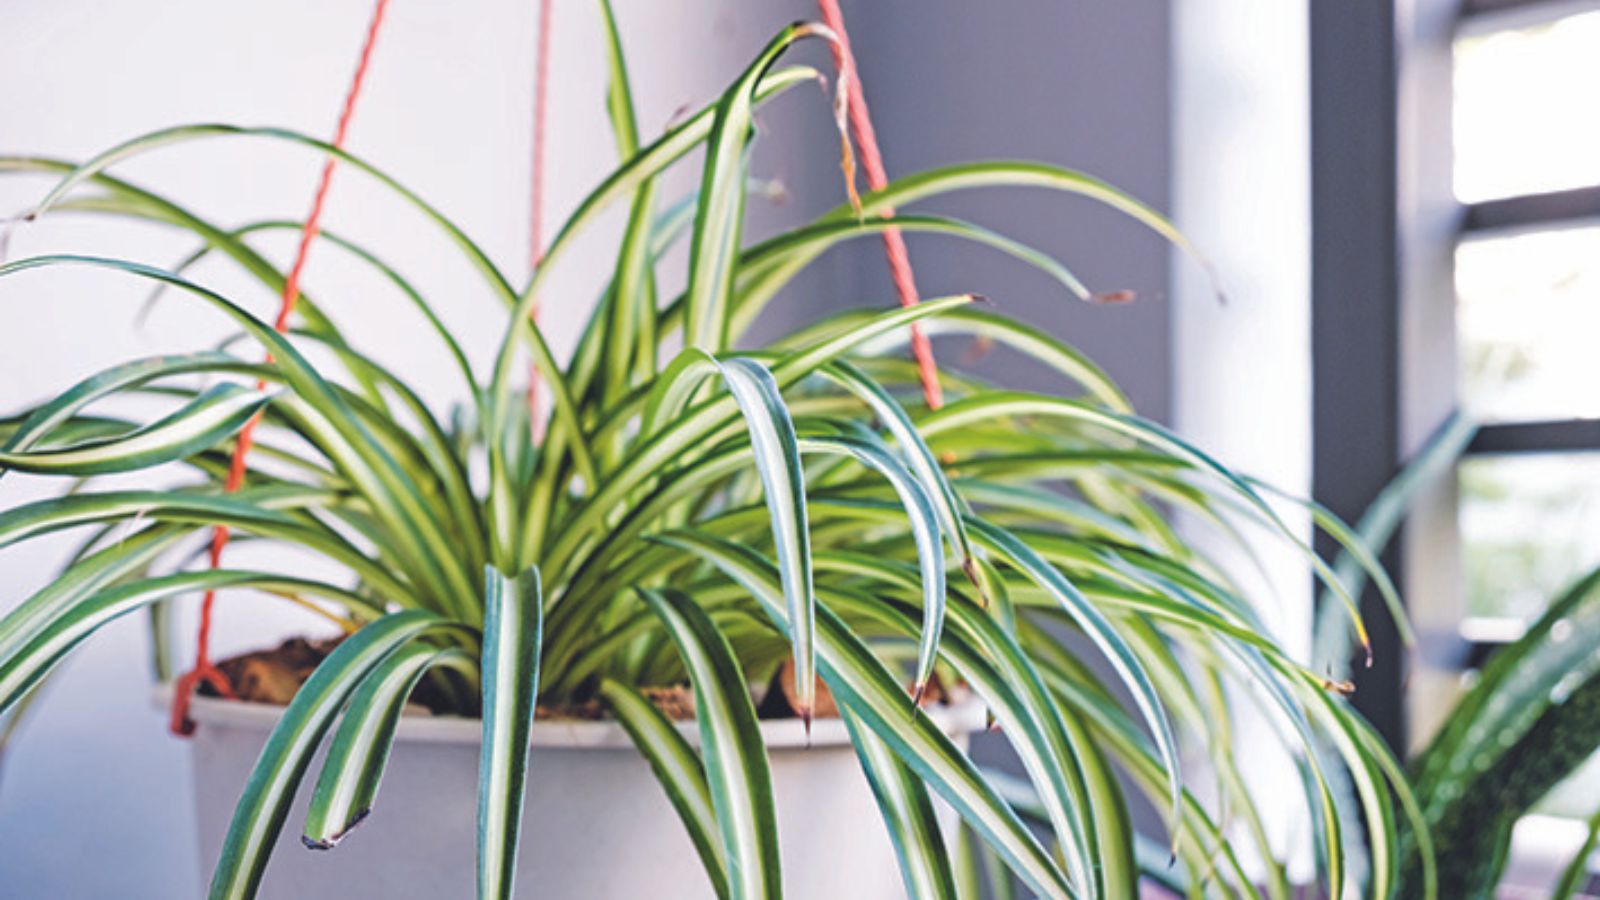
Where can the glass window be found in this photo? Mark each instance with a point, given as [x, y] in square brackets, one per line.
[1528, 316]
[1530, 525]
[1524, 109]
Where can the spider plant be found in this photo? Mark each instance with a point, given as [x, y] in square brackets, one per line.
[706, 516]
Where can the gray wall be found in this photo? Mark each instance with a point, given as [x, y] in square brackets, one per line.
[1072, 82]
[94, 800]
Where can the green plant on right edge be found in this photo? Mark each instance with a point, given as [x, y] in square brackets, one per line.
[1531, 719]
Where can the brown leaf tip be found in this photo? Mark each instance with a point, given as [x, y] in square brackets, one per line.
[1342, 688]
[1116, 297]
[332, 841]
[969, 567]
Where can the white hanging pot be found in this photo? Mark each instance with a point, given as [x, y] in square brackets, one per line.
[597, 824]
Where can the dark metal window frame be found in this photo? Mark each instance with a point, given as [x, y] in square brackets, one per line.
[1385, 226]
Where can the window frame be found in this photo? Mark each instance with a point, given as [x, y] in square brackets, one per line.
[1384, 336]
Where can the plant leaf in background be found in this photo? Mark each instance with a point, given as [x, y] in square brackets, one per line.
[1529, 721]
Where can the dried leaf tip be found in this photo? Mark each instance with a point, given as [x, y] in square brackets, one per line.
[917, 690]
[332, 841]
[1342, 688]
[969, 566]
[1115, 298]
[805, 719]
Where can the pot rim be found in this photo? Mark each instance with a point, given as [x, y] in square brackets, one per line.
[965, 717]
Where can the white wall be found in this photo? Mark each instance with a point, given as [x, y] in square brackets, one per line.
[1242, 369]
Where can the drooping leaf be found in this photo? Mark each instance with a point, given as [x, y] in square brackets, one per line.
[730, 740]
[860, 682]
[513, 636]
[924, 521]
[909, 815]
[679, 770]
[259, 815]
[359, 752]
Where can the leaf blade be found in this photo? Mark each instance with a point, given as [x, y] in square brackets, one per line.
[677, 768]
[513, 633]
[730, 738]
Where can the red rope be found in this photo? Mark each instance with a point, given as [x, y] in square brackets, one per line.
[203, 669]
[894, 243]
[541, 117]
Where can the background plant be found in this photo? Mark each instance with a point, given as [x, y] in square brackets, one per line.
[705, 516]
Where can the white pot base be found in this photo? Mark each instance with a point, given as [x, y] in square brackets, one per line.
[597, 825]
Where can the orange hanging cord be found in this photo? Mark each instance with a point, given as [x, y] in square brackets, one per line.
[204, 670]
[894, 243]
[541, 117]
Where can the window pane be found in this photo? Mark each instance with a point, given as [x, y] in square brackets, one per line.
[1528, 313]
[1530, 525]
[1524, 109]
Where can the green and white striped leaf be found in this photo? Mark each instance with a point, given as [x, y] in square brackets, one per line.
[414, 522]
[513, 637]
[1080, 796]
[909, 815]
[679, 770]
[54, 627]
[923, 464]
[777, 457]
[861, 683]
[260, 813]
[983, 325]
[1017, 403]
[654, 453]
[1099, 630]
[1006, 173]
[924, 522]
[731, 747]
[266, 511]
[211, 418]
[70, 402]
[348, 785]
[630, 346]
[719, 215]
